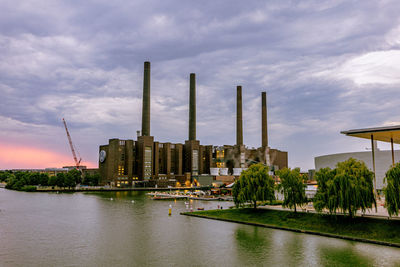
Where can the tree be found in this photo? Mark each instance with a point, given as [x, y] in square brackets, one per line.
[92, 180]
[69, 180]
[43, 179]
[76, 175]
[348, 188]
[34, 178]
[254, 185]
[322, 199]
[292, 187]
[52, 181]
[392, 190]
[60, 178]
[4, 175]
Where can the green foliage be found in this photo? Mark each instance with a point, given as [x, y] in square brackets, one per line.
[321, 199]
[52, 181]
[44, 179]
[28, 188]
[76, 176]
[347, 188]
[69, 180]
[292, 187]
[60, 179]
[11, 181]
[92, 180]
[254, 185]
[4, 175]
[392, 190]
[22, 181]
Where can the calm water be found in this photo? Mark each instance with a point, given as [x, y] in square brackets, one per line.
[90, 229]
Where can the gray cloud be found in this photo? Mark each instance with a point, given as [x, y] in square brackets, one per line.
[83, 61]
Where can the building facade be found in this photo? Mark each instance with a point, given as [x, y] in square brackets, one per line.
[145, 161]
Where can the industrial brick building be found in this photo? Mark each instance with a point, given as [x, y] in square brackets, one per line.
[145, 161]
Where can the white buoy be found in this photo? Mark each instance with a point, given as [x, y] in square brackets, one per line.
[111, 199]
[133, 201]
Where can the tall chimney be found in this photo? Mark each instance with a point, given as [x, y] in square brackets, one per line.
[264, 137]
[192, 107]
[146, 100]
[239, 120]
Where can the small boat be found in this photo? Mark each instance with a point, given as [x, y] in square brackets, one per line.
[200, 208]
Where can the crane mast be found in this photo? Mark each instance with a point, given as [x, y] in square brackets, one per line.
[72, 146]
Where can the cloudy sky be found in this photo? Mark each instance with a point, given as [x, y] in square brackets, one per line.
[327, 66]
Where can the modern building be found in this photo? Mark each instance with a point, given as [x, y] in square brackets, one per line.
[376, 160]
[148, 162]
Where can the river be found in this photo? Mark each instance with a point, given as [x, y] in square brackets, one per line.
[130, 229]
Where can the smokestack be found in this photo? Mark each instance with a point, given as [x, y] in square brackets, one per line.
[264, 137]
[239, 120]
[146, 100]
[192, 107]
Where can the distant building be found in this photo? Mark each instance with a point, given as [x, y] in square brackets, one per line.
[49, 171]
[81, 167]
[146, 161]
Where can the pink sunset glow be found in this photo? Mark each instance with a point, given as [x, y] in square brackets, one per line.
[24, 157]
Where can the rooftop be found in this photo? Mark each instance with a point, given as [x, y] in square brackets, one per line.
[385, 134]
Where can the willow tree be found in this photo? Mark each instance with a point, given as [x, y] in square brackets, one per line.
[347, 188]
[324, 198]
[254, 185]
[292, 187]
[392, 190]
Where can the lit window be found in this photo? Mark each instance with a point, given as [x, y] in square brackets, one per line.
[120, 170]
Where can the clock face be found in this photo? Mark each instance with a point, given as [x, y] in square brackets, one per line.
[102, 156]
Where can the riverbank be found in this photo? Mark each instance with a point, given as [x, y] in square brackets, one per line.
[376, 231]
[105, 189]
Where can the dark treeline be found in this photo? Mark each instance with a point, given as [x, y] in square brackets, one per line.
[27, 181]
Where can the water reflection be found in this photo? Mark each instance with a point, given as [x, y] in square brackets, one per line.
[90, 229]
[344, 256]
[252, 246]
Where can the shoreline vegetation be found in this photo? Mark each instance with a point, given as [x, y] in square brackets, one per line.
[362, 229]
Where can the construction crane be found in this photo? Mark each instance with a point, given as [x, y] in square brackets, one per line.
[77, 162]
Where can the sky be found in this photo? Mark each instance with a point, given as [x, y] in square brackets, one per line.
[327, 66]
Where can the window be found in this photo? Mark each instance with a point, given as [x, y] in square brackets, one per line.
[121, 142]
[121, 170]
[147, 162]
[122, 157]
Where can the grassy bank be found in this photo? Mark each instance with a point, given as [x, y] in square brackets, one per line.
[360, 229]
